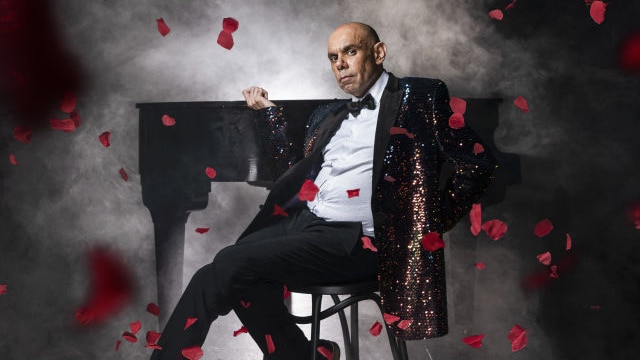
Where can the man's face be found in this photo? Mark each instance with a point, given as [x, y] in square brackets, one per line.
[353, 59]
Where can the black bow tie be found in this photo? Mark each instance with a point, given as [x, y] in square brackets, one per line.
[354, 107]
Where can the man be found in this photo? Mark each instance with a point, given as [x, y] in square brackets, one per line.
[375, 164]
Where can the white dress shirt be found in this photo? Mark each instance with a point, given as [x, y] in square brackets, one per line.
[347, 167]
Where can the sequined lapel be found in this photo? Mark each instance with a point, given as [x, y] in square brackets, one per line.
[389, 106]
[329, 126]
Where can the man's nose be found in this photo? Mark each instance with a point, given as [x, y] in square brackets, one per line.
[340, 63]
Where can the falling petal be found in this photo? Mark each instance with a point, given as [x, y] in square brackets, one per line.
[129, 337]
[328, 354]
[518, 338]
[567, 245]
[480, 265]
[3, 289]
[629, 56]
[389, 178]
[308, 191]
[456, 121]
[353, 193]
[230, 25]
[495, 229]
[543, 228]
[367, 244]
[242, 330]
[522, 104]
[511, 5]
[75, 117]
[105, 138]
[475, 341]
[475, 216]
[211, 172]
[168, 120]
[64, 124]
[69, 102]
[190, 321]
[202, 230]
[270, 346]
[375, 329]
[277, 210]
[390, 319]
[245, 304]
[458, 105]
[554, 271]
[153, 309]
[478, 148]
[12, 159]
[152, 338]
[118, 342]
[545, 258]
[193, 352]
[286, 293]
[163, 29]
[496, 14]
[432, 241]
[597, 11]
[123, 174]
[225, 40]
[135, 327]
[22, 133]
[404, 324]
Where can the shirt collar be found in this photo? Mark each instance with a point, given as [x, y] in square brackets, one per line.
[377, 88]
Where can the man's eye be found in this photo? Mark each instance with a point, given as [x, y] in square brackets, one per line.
[352, 51]
[333, 58]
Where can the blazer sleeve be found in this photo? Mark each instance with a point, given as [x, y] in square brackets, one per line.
[472, 172]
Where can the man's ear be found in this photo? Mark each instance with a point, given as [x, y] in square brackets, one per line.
[380, 52]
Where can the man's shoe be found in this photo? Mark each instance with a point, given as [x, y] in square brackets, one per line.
[329, 349]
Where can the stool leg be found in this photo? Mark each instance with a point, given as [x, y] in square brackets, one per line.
[355, 337]
[348, 344]
[316, 303]
[402, 347]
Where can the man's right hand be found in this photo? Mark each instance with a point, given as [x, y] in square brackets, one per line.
[257, 98]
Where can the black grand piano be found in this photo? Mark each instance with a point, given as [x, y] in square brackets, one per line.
[222, 135]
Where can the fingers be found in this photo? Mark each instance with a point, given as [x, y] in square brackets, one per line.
[256, 97]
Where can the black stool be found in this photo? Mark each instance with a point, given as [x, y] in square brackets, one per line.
[365, 290]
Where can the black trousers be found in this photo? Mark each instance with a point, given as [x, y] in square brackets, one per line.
[249, 276]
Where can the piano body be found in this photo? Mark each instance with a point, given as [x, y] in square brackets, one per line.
[222, 135]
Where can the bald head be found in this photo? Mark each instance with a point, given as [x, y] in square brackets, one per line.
[356, 55]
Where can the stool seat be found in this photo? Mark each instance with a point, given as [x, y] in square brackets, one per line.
[357, 291]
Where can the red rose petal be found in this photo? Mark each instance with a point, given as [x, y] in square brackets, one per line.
[193, 352]
[308, 191]
[629, 56]
[202, 230]
[495, 229]
[190, 321]
[230, 24]
[404, 324]
[153, 346]
[458, 105]
[270, 346]
[518, 338]
[511, 5]
[353, 193]
[568, 242]
[3, 289]
[163, 29]
[522, 104]
[456, 121]
[135, 327]
[277, 210]
[328, 354]
[69, 102]
[286, 293]
[543, 228]
[545, 258]
[390, 319]
[496, 14]
[597, 11]
[168, 120]
[375, 329]
[129, 337]
[211, 172]
[153, 309]
[75, 117]
[152, 337]
[22, 133]
[475, 341]
[478, 148]
[395, 130]
[118, 342]
[123, 174]
[475, 216]
[432, 241]
[242, 330]
[111, 287]
[225, 40]
[12, 159]
[367, 244]
[480, 265]
[389, 178]
[554, 271]
[105, 138]
[245, 304]
[64, 124]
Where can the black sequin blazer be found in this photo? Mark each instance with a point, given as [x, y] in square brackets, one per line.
[413, 139]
